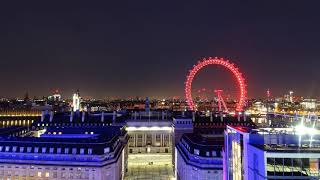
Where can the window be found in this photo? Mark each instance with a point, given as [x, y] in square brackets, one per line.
[196, 151]
[21, 149]
[89, 151]
[74, 150]
[1, 147]
[44, 149]
[207, 153]
[29, 149]
[66, 150]
[7, 148]
[59, 151]
[106, 150]
[82, 151]
[14, 148]
[47, 174]
[36, 149]
[51, 150]
[39, 174]
[214, 153]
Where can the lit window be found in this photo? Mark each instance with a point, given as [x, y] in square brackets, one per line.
[51, 150]
[59, 151]
[44, 149]
[207, 153]
[60, 132]
[39, 174]
[36, 149]
[47, 174]
[21, 149]
[91, 133]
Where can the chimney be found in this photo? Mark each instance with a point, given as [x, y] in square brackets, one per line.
[114, 117]
[83, 116]
[102, 116]
[71, 116]
[51, 116]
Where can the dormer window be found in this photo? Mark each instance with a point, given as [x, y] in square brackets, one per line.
[207, 153]
[106, 150]
[89, 151]
[66, 150]
[196, 152]
[29, 149]
[214, 153]
[74, 150]
[7, 148]
[82, 151]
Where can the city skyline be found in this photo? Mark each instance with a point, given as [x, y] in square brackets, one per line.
[146, 49]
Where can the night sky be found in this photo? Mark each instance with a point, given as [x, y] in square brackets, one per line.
[145, 48]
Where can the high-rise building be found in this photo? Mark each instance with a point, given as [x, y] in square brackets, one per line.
[271, 153]
[76, 101]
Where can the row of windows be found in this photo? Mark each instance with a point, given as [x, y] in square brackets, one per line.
[184, 122]
[197, 151]
[51, 150]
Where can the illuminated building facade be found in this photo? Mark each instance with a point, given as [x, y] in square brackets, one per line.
[100, 153]
[199, 157]
[271, 153]
[150, 132]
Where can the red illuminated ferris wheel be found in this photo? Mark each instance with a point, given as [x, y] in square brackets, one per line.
[216, 61]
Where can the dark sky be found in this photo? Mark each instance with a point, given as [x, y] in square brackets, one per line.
[145, 48]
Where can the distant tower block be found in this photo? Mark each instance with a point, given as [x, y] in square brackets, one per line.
[220, 100]
[147, 105]
[76, 101]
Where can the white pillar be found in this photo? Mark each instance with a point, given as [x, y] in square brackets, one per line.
[102, 116]
[42, 116]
